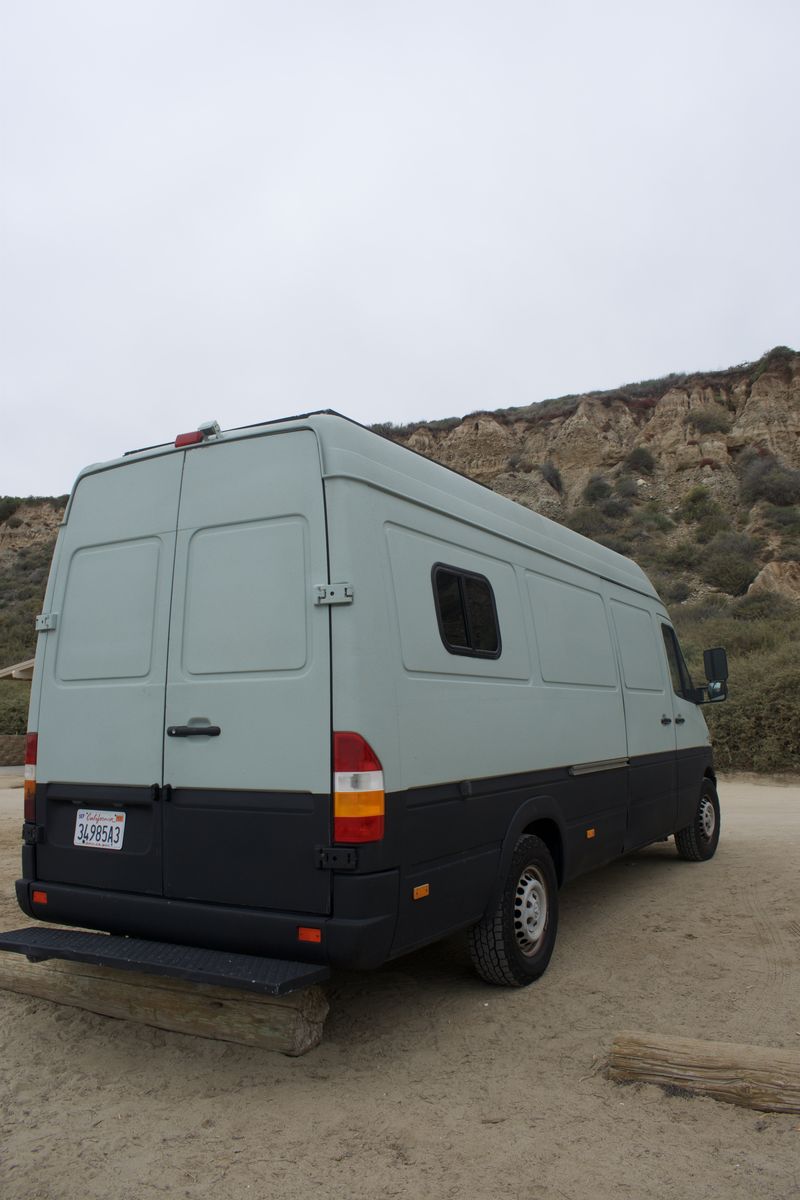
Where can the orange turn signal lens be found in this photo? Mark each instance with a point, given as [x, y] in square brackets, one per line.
[307, 933]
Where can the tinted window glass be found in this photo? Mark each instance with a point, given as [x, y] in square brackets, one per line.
[451, 611]
[480, 613]
[466, 611]
[679, 674]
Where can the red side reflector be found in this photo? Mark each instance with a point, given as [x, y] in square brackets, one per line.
[29, 791]
[189, 439]
[31, 749]
[39, 897]
[306, 933]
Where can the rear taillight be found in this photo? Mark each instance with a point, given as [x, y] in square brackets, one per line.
[31, 749]
[358, 797]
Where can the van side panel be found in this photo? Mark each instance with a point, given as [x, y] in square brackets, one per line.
[466, 741]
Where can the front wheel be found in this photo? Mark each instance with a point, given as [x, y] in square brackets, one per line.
[511, 946]
[698, 841]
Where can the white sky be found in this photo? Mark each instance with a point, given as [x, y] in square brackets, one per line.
[243, 209]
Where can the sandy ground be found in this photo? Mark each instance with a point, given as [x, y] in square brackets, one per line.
[431, 1084]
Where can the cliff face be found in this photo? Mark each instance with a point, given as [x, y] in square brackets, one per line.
[595, 461]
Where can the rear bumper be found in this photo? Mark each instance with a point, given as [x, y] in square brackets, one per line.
[358, 936]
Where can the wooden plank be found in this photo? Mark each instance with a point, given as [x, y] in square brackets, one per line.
[751, 1076]
[290, 1024]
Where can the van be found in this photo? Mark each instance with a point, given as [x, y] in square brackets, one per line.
[305, 696]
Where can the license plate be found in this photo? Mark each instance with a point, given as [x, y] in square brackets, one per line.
[104, 830]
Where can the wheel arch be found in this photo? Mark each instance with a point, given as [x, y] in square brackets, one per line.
[539, 815]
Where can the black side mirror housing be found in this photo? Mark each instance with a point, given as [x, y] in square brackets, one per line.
[715, 663]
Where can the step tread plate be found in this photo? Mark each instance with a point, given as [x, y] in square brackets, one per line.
[271, 976]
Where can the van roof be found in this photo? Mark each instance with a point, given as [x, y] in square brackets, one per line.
[351, 451]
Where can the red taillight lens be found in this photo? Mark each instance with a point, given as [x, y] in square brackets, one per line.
[189, 439]
[31, 751]
[359, 803]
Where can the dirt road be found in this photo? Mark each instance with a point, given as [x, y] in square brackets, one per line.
[429, 1084]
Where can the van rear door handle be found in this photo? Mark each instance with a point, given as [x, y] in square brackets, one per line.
[193, 731]
[665, 720]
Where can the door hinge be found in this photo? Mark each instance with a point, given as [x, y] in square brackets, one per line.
[334, 593]
[336, 858]
[46, 621]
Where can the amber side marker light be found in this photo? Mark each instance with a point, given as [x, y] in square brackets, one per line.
[590, 833]
[39, 897]
[306, 933]
[423, 890]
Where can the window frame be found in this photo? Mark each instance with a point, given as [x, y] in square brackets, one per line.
[461, 574]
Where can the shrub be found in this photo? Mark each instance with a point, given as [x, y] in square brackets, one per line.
[708, 420]
[652, 518]
[552, 475]
[641, 461]
[14, 700]
[786, 520]
[588, 521]
[615, 509]
[710, 526]
[730, 562]
[683, 557]
[764, 478]
[8, 506]
[758, 726]
[626, 486]
[598, 488]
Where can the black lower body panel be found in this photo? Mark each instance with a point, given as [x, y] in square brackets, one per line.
[359, 936]
[273, 976]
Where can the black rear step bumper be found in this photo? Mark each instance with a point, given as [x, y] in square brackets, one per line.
[272, 976]
[359, 936]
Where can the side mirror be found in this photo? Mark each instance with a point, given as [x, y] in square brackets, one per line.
[715, 663]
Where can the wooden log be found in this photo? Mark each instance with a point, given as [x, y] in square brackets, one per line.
[290, 1024]
[751, 1076]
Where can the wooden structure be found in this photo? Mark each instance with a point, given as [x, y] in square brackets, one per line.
[289, 1024]
[751, 1076]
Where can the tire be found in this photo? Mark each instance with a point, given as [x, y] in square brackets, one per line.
[698, 842]
[511, 946]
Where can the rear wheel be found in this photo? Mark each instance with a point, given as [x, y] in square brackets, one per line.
[698, 841]
[511, 946]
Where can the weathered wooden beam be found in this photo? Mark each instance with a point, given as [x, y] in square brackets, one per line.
[290, 1024]
[751, 1076]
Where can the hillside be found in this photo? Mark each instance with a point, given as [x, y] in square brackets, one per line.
[695, 476]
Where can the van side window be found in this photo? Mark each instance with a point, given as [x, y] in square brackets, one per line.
[681, 679]
[466, 612]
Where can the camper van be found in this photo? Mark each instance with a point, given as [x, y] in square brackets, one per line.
[304, 697]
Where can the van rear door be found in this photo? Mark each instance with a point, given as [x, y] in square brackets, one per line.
[246, 803]
[100, 718]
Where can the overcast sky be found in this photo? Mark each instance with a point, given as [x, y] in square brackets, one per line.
[243, 209]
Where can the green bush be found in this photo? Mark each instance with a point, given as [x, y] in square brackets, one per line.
[730, 562]
[588, 521]
[640, 461]
[627, 487]
[758, 727]
[552, 475]
[14, 699]
[764, 478]
[615, 509]
[786, 520]
[598, 488]
[708, 420]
